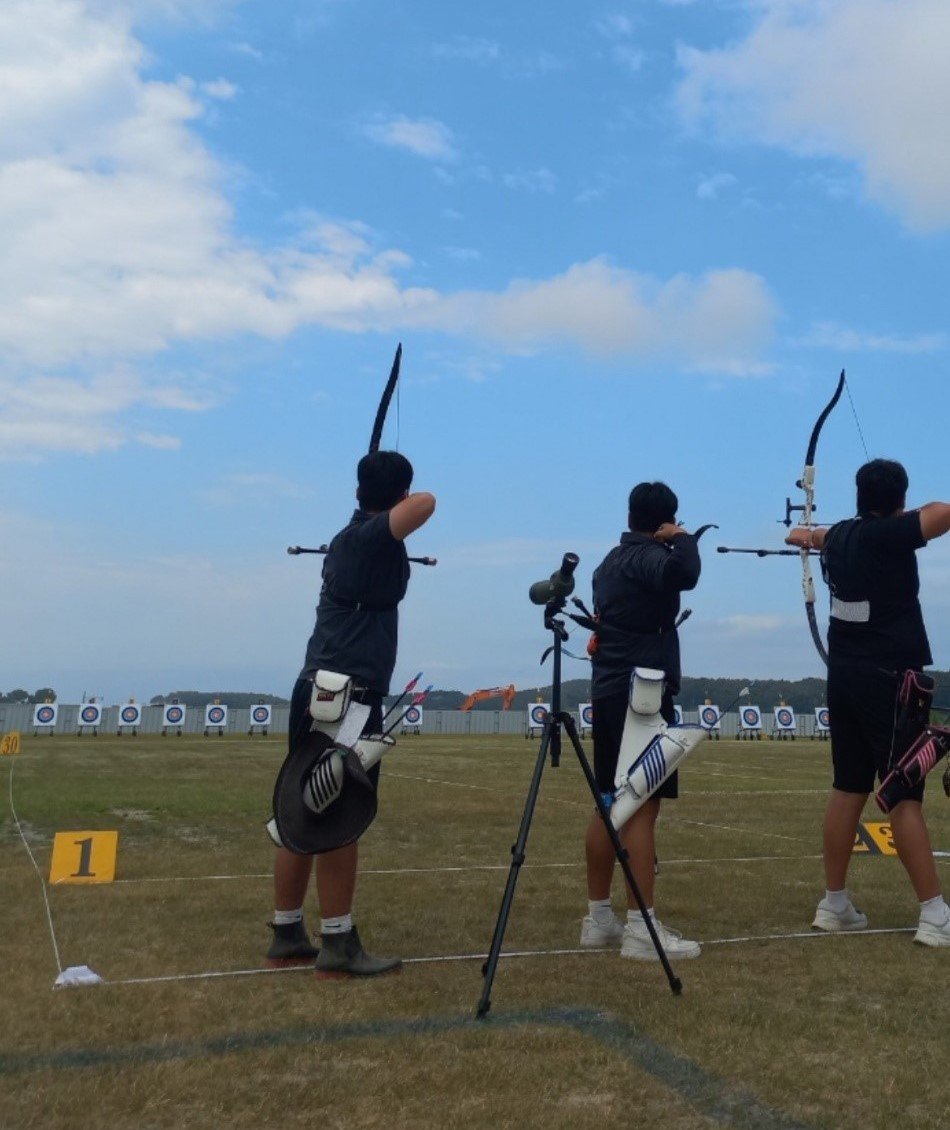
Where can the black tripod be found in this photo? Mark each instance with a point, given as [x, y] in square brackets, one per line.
[551, 740]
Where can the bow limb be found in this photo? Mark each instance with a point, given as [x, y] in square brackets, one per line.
[384, 401]
[807, 484]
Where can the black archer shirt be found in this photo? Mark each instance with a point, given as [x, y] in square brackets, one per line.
[637, 590]
[365, 576]
[870, 565]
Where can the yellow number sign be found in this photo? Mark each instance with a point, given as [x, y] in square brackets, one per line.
[10, 743]
[84, 857]
[880, 832]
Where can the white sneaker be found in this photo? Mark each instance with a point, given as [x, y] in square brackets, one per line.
[599, 934]
[838, 921]
[929, 934]
[638, 944]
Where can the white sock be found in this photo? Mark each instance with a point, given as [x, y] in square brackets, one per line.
[935, 911]
[837, 901]
[288, 917]
[338, 925]
[635, 918]
[601, 911]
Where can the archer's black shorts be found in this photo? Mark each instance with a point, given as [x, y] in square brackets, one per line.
[300, 719]
[610, 713]
[862, 704]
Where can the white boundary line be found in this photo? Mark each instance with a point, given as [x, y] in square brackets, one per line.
[397, 871]
[451, 958]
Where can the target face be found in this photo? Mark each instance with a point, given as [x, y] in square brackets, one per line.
[129, 715]
[216, 715]
[587, 715]
[709, 716]
[413, 716]
[750, 718]
[45, 715]
[677, 716]
[823, 717]
[538, 714]
[784, 717]
[90, 715]
[260, 715]
[173, 715]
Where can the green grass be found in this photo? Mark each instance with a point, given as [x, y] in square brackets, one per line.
[775, 1031]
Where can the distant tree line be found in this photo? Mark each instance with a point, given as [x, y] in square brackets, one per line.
[236, 699]
[803, 695]
[44, 694]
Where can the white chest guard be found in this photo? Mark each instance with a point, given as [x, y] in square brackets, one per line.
[650, 750]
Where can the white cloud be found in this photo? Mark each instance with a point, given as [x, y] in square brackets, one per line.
[121, 241]
[710, 187]
[531, 180]
[720, 321]
[68, 414]
[242, 487]
[220, 88]
[426, 137]
[829, 335]
[865, 81]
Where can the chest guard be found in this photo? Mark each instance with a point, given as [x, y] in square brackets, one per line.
[650, 750]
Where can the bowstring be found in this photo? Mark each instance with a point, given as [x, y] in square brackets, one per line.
[857, 422]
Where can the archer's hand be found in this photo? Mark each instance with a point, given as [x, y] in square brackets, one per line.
[806, 537]
[668, 531]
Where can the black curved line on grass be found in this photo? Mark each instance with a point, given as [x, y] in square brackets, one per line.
[715, 1098]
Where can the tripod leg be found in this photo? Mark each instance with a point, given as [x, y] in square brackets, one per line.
[517, 858]
[621, 852]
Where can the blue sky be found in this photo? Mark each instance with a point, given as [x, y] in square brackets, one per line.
[619, 242]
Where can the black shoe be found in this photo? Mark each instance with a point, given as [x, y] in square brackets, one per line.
[342, 955]
[291, 945]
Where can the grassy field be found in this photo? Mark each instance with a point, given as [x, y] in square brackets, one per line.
[775, 1026]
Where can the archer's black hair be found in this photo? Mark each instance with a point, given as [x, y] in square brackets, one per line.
[382, 477]
[882, 487]
[650, 505]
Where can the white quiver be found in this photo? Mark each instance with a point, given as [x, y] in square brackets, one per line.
[650, 750]
[316, 770]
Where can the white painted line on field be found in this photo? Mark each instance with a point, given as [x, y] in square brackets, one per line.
[753, 792]
[468, 867]
[451, 958]
[744, 831]
[480, 788]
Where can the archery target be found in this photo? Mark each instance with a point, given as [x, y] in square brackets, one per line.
[537, 714]
[260, 715]
[709, 717]
[44, 715]
[751, 718]
[586, 715]
[413, 716]
[784, 718]
[174, 715]
[215, 715]
[90, 714]
[130, 714]
[677, 716]
[822, 718]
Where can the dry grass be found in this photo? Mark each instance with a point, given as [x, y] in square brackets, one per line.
[781, 1031]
